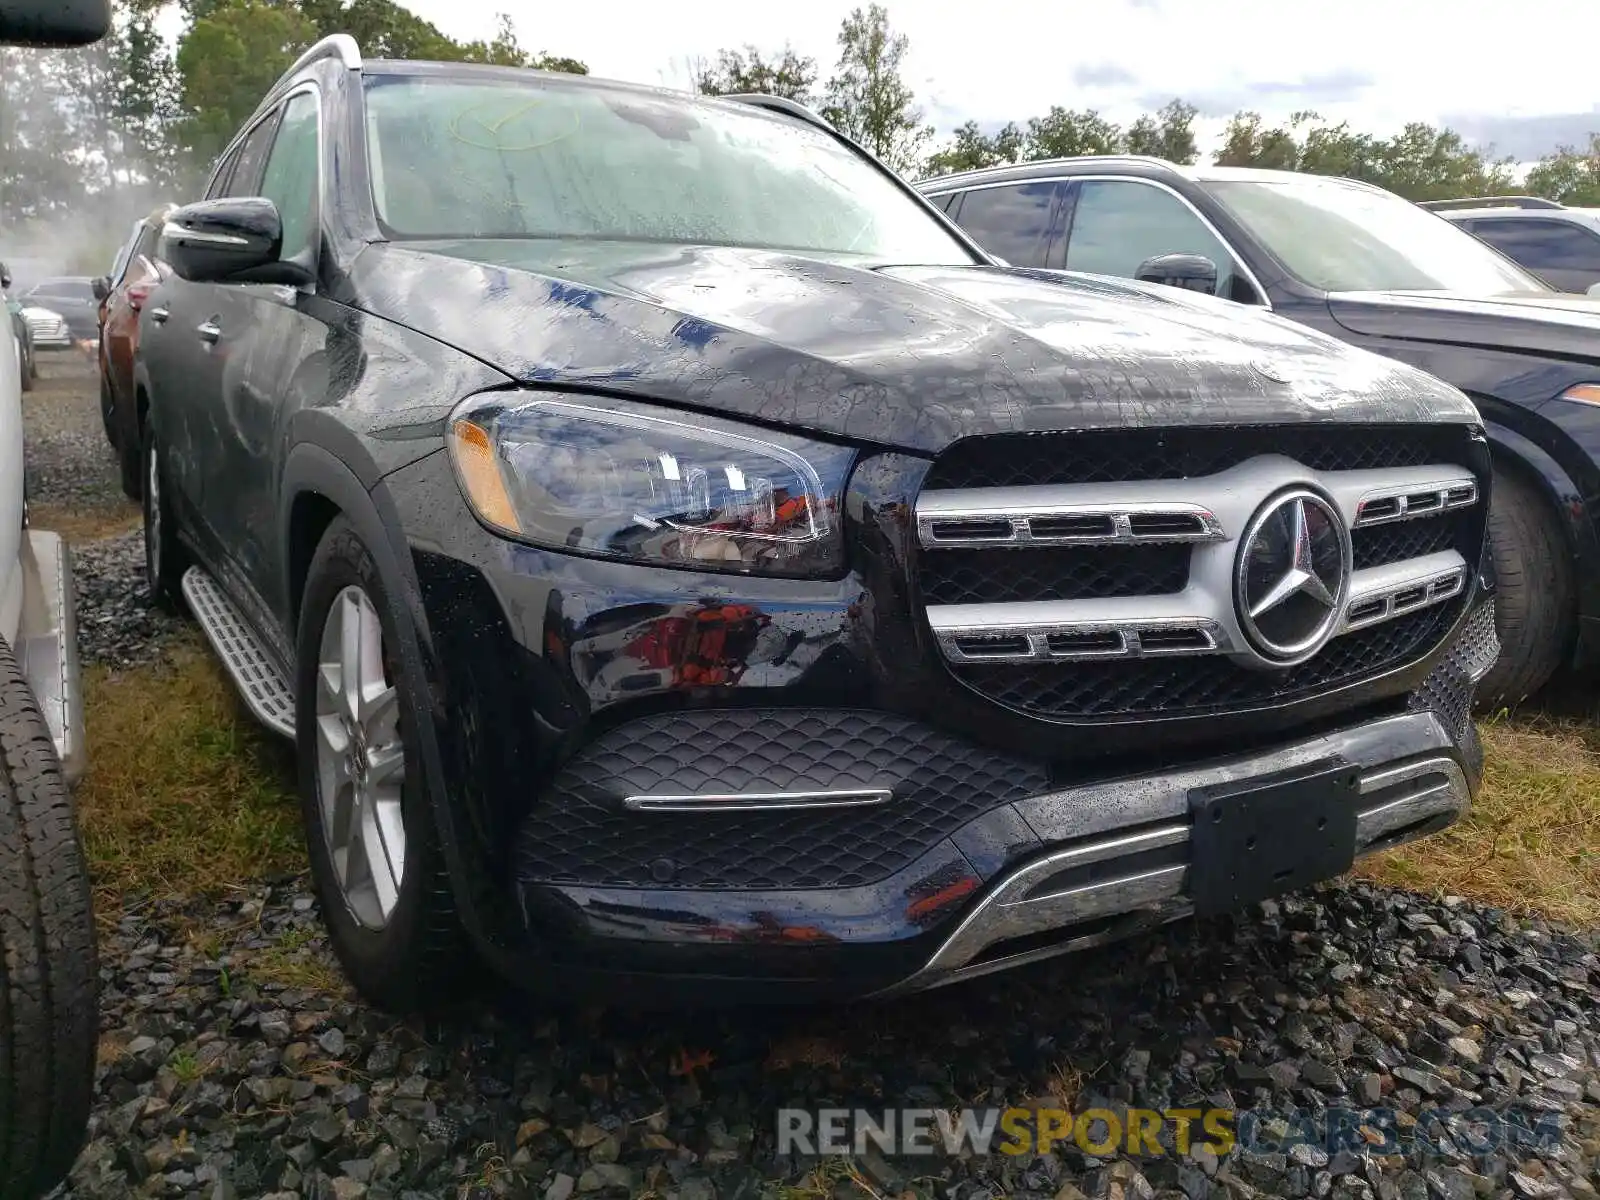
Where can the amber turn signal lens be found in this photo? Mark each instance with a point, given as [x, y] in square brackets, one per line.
[1586, 393]
[480, 474]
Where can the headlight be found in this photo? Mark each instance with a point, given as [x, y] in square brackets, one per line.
[626, 480]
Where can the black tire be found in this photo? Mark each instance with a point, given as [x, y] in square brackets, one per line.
[1535, 608]
[108, 411]
[29, 371]
[414, 962]
[165, 560]
[49, 1013]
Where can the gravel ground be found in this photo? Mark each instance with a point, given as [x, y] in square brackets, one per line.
[234, 1064]
[71, 469]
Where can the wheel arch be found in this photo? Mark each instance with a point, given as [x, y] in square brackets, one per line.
[319, 487]
[1536, 465]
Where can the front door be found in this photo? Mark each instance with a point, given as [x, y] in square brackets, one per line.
[269, 332]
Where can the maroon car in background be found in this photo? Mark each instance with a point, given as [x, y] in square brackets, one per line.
[122, 294]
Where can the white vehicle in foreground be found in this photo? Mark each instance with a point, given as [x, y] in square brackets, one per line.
[49, 1008]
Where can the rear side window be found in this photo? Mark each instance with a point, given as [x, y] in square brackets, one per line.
[1543, 245]
[1020, 222]
[252, 157]
[219, 181]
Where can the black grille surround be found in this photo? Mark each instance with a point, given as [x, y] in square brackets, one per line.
[1187, 686]
[1136, 455]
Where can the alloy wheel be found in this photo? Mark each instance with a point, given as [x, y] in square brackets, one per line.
[360, 760]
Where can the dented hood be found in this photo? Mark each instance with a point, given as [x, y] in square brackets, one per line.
[907, 356]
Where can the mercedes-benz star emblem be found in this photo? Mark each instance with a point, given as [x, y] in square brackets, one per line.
[1292, 577]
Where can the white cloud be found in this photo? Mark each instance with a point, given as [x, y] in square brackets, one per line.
[1001, 60]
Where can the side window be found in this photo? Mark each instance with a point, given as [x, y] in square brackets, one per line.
[1117, 224]
[252, 155]
[1543, 245]
[1017, 221]
[290, 180]
[219, 181]
[942, 203]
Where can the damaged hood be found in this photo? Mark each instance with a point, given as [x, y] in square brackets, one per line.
[913, 357]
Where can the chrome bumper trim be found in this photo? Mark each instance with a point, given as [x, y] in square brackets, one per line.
[757, 801]
[1411, 783]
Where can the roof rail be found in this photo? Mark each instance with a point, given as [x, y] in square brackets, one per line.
[1489, 202]
[336, 45]
[779, 104]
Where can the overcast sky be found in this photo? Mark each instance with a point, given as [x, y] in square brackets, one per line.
[1507, 76]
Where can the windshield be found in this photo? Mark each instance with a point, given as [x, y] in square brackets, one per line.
[1344, 237]
[556, 158]
[63, 289]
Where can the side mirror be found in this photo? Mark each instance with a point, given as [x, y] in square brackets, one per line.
[1192, 272]
[5, 276]
[235, 240]
[1594, 290]
[102, 287]
[54, 22]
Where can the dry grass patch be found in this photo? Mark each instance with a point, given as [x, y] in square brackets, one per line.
[1532, 841]
[185, 795]
[78, 524]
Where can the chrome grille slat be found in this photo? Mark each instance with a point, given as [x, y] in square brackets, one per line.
[1201, 618]
[957, 626]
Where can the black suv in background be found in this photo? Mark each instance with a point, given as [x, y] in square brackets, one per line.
[1561, 245]
[1366, 266]
[687, 564]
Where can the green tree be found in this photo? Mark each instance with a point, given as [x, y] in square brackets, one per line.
[1064, 132]
[1247, 142]
[867, 99]
[970, 149]
[1422, 162]
[1169, 134]
[790, 75]
[1570, 175]
[228, 60]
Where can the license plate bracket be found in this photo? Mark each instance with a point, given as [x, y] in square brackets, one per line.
[1262, 837]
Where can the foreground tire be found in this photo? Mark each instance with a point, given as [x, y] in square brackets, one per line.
[375, 859]
[164, 558]
[1535, 602]
[49, 1018]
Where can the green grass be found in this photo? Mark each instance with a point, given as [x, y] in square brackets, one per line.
[184, 795]
[1531, 843]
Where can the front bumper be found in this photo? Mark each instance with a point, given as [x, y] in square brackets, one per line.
[47, 644]
[1058, 869]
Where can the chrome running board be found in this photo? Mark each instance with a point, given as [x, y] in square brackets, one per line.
[265, 691]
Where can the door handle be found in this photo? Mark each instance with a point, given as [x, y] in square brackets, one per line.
[209, 332]
[159, 315]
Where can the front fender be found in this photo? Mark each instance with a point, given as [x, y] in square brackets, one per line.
[311, 469]
[1574, 513]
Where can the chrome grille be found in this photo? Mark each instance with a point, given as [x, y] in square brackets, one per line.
[1063, 592]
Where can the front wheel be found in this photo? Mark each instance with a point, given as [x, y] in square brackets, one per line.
[49, 1020]
[375, 858]
[1535, 603]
